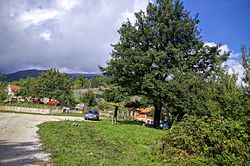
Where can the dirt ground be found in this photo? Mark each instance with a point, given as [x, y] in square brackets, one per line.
[19, 142]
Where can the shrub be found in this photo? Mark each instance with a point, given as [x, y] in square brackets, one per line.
[3, 95]
[207, 140]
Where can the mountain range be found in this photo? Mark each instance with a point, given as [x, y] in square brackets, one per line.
[35, 73]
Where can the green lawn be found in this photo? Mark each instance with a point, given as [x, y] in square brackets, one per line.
[100, 143]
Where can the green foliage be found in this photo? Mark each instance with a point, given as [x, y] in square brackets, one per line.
[53, 84]
[88, 98]
[28, 86]
[113, 95]
[84, 143]
[3, 91]
[207, 141]
[186, 93]
[3, 95]
[98, 81]
[66, 99]
[215, 128]
[162, 40]
[81, 82]
[190, 93]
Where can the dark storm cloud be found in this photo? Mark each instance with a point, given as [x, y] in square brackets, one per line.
[66, 34]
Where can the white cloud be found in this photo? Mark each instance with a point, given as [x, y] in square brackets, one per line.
[210, 44]
[46, 35]
[234, 67]
[233, 64]
[223, 48]
[79, 32]
[37, 16]
[129, 14]
[67, 4]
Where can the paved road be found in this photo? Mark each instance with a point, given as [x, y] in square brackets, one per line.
[19, 143]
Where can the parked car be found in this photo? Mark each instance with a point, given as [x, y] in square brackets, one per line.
[91, 115]
[55, 103]
[38, 101]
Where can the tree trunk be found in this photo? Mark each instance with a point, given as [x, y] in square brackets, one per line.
[116, 111]
[114, 118]
[157, 115]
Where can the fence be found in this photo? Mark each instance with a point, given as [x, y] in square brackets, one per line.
[32, 110]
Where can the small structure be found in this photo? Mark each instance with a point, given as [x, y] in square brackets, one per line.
[80, 106]
[11, 95]
[13, 88]
[65, 110]
[141, 114]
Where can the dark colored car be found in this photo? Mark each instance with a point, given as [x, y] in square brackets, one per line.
[91, 115]
[38, 101]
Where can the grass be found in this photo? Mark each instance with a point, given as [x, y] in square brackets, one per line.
[85, 143]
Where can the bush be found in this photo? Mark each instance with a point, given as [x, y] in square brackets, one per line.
[207, 140]
[3, 95]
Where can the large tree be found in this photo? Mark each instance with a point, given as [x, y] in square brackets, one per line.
[163, 39]
[53, 84]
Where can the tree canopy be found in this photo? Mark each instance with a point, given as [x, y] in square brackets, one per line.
[164, 39]
[53, 84]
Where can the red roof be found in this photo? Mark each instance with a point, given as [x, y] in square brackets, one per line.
[15, 87]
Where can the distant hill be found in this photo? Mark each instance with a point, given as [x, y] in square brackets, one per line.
[35, 73]
[23, 74]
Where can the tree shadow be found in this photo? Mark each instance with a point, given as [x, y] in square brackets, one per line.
[21, 153]
[132, 122]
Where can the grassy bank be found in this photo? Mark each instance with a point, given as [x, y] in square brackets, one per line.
[84, 143]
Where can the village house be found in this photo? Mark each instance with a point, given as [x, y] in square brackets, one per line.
[141, 114]
[11, 89]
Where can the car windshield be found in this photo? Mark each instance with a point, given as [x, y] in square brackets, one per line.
[92, 112]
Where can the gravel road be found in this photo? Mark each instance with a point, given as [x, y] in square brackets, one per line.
[19, 142]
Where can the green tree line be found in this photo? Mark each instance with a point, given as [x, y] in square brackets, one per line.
[55, 85]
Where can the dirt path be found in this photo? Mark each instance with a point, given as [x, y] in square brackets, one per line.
[19, 143]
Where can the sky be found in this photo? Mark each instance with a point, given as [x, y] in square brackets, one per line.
[75, 35]
[225, 22]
